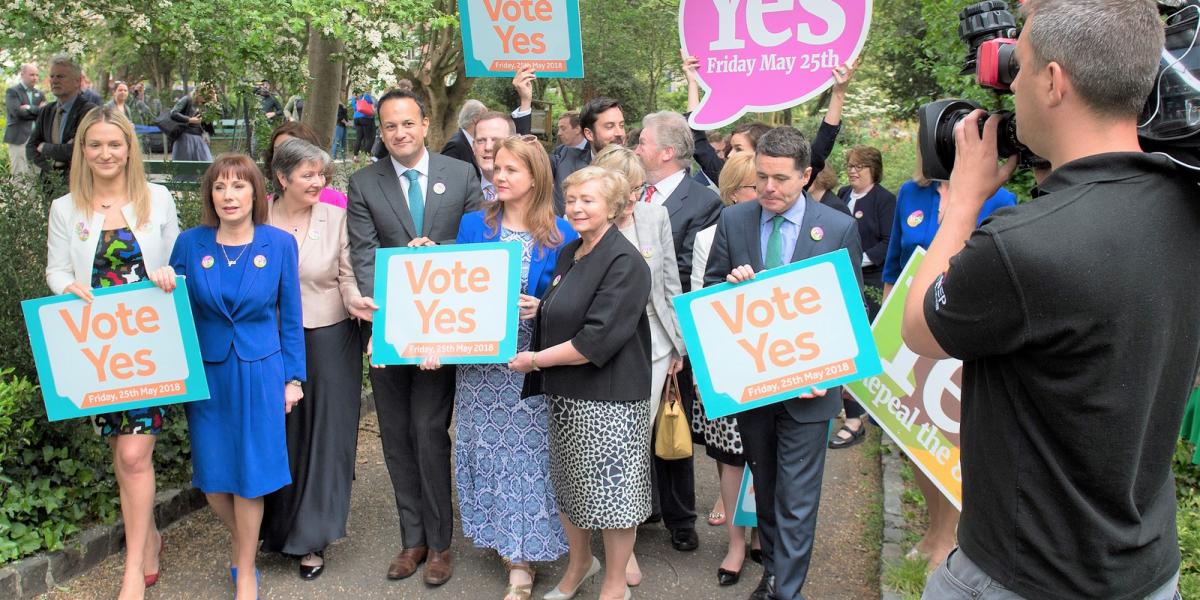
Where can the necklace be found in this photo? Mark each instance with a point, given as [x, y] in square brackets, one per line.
[232, 262]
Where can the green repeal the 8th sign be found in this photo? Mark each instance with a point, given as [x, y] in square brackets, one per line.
[916, 400]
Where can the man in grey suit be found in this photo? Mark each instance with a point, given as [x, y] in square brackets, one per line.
[22, 103]
[412, 198]
[785, 442]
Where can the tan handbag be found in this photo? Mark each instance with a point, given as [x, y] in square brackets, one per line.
[673, 434]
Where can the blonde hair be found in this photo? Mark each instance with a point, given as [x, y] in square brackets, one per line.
[80, 179]
[622, 160]
[614, 187]
[539, 216]
[737, 167]
[919, 170]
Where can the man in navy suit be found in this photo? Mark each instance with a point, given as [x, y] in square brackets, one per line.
[785, 443]
[22, 103]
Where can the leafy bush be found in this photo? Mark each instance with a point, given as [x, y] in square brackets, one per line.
[1187, 481]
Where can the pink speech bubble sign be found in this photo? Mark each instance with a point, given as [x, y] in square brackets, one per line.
[766, 55]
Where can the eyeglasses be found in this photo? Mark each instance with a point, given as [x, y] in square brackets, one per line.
[853, 167]
[747, 187]
[639, 190]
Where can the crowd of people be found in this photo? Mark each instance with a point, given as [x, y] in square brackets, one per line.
[557, 443]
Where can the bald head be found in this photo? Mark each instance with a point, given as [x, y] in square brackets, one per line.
[29, 74]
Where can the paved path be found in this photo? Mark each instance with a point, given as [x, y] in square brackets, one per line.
[195, 561]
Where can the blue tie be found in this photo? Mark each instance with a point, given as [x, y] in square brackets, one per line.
[416, 202]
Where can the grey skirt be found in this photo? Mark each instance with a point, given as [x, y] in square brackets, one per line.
[190, 146]
[600, 461]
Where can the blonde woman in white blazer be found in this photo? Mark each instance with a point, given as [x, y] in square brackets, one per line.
[115, 228]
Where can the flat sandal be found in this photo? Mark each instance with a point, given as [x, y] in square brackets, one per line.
[519, 591]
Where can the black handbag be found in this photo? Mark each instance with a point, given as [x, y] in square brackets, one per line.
[172, 128]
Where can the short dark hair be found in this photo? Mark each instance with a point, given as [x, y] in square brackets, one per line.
[240, 166]
[572, 116]
[753, 130]
[400, 94]
[786, 142]
[591, 111]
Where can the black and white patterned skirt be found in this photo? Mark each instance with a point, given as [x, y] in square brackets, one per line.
[600, 461]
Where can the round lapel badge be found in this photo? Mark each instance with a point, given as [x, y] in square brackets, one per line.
[647, 252]
[313, 234]
[858, 214]
[260, 261]
[207, 262]
[555, 282]
[817, 234]
[915, 218]
[439, 188]
[81, 230]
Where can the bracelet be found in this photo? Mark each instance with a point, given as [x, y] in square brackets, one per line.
[296, 382]
[533, 361]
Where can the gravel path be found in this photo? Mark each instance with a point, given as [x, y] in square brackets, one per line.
[845, 561]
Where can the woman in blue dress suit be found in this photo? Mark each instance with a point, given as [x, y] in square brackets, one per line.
[502, 441]
[245, 292]
[918, 215]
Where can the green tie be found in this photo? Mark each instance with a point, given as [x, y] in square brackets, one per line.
[775, 243]
[416, 202]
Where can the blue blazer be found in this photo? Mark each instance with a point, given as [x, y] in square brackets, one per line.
[266, 318]
[473, 230]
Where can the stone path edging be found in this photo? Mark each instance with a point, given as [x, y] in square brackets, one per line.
[893, 513]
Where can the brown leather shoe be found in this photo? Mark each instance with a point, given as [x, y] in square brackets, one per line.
[438, 570]
[405, 563]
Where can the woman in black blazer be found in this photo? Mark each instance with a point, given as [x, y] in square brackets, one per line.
[592, 338]
[874, 207]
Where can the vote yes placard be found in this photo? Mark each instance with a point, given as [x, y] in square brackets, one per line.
[503, 36]
[791, 329]
[767, 55]
[133, 346]
[456, 302]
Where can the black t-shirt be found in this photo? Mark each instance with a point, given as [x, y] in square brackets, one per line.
[1078, 320]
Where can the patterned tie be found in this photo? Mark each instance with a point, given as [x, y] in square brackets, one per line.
[489, 194]
[775, 243]
[56, 126]
[416, 202]
[650, 193]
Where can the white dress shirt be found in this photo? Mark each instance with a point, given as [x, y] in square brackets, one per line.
[665, 187]
[422, 170]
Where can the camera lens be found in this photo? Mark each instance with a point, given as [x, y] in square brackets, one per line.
[935, 136]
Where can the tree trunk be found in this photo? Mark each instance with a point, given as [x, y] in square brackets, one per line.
[442, 55]
[324, 79]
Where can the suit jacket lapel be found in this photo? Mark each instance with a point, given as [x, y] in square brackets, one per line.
[645, 232]
[752, 236]
[250, 275]
[805, 244]
[674, 202]
[317, 224]
[389, 184]
[435, 177]
[212, 274]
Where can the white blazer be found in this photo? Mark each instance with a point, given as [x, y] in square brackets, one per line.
[71, 245]
[701, 246]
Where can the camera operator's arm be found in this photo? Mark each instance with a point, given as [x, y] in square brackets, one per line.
[976, 176]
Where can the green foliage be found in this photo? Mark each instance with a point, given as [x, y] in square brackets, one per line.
[1187, 483]
[906, 576]
[22, 272]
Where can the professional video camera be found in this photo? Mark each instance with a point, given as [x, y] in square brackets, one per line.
[1170, 121]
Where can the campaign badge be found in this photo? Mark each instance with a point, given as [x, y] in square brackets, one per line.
[915, 218]
[260, 261]
[207, 262]
[439, 188]
[817, 234]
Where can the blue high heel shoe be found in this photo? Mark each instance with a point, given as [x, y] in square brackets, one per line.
[233, 576]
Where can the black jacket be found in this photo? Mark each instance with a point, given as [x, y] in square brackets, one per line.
[458, 147]
[599, 304]
[874, 213]
[183, 110]
[55, 157]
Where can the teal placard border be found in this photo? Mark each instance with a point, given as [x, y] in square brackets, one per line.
[479, 68]
[744, 518]
[867, 360]
[386, 354]
[59, 407]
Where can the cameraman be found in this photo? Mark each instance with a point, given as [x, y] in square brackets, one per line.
[1078, 331]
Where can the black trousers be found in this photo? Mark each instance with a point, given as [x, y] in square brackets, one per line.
[364, 128]
[414, 409]
[673, 482]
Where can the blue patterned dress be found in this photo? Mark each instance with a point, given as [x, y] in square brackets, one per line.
[501, 454]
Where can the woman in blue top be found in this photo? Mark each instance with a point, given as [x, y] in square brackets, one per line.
[363, 106]
[502, 444]
[244, 286]
[918, 215]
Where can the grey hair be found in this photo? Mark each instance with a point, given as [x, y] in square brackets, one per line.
[67, 61]
[786, 142]
[293, 153]
[470, 114]
[1109, 48]
[671, 131]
